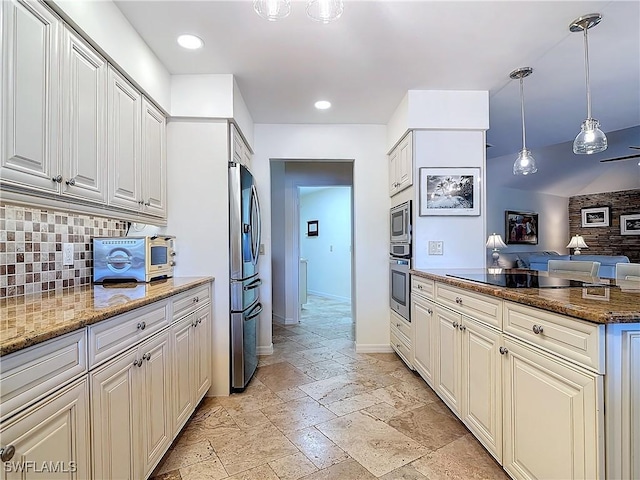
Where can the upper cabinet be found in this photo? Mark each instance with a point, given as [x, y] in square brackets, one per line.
[401, 165]
[72, 127]
[240, 151]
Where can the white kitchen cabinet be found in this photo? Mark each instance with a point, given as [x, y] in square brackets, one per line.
[49, 439]
[401, 165]
[240, 151]
[84, 121]
[551, 416]
[131, 420]
[448, 377]
[154, 161]
[30, 88]
[423, 317]
[124, 145]
[402, 337]
[191, 337]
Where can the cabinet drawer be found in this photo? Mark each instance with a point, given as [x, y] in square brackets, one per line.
[402, 326]
[401, 348]
[114, 336]
[480, 307]
[187, 302]
[32, 373]
[573, 339]
[423, 286]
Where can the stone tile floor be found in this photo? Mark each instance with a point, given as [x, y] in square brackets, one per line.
[316, 409]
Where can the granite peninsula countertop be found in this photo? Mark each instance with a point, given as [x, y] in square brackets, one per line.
[615, 303]
[31, 319]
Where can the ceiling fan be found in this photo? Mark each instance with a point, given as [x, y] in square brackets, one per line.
[625, 157]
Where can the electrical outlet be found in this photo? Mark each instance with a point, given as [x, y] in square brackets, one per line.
[67, 254]
[436, 247]
[261, 250]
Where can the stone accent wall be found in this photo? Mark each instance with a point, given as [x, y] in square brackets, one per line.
[607, 240]
[31, 248]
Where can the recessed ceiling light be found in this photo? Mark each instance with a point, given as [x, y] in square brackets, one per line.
[190, 42]
[322, 104]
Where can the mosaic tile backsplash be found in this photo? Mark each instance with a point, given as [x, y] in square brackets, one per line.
[31, 242]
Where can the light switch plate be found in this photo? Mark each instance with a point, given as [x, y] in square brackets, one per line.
[67, 254]
[436, 247]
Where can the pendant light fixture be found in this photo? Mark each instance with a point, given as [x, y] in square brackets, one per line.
[525, 164]
[325, 11]
[272, 10]
[590, 139]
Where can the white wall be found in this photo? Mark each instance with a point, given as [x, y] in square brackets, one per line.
[328, 254]
[278, 250]
[553, 217]
[198, 214]
[106, 26]
[365, 145]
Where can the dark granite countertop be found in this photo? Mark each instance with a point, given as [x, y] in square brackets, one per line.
[31, 319]
[593, 299]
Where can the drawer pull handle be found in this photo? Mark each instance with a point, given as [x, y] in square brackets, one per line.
[455, 324]
[142, 325]
[537, 329]
[7, 453]
[429, 311]
[503, 350]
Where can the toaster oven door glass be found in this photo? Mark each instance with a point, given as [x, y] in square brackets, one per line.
[159, 255]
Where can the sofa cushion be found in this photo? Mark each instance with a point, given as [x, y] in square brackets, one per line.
[539, 260]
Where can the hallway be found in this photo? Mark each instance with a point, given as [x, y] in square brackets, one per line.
[317, 410]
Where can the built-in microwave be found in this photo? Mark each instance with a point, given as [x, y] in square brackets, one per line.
[400, 223]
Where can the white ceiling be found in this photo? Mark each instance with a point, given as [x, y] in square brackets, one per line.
[366, 61]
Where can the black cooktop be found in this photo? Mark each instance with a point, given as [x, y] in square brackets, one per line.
[525, 279]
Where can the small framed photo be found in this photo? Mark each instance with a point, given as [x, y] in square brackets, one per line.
[521, 228]
[596, 293]
[595, 217]
[449, 191]
[312, 228]
[630, 224]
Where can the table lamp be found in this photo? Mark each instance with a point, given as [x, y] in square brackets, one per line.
[577, 242]
[495, 241]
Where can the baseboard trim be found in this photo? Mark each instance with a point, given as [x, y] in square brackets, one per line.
[280, 320]
[374, 348]
[268, 350]
[328, 295]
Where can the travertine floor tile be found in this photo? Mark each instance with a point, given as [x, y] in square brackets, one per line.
[250, 419]
[462, 459]
[297, 414]
[172, 475]
[353, 404]
[207, 423]
[317, 448]
[372, 443]
[281, 376]
[185, 455]
[334, 389]
[255, 398]
[406, 472]
[289, 394]
[381, 411]
[292, 467]
[207, 470]
[263, 472]
[323, 370]
[347, 470]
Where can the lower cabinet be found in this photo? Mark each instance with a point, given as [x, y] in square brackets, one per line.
[49, 439]
[131, 398]
[191, 337]
[448, 378]
[423, 317]
[551, 412]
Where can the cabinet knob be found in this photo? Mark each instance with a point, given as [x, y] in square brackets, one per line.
[71, 182]
[503, 350]
[146, 356]
[137, 363]
[57, 179]
[455, 324]
[419, 287]
[458, 300]
[199, 321]
[429, 311]
[142, 325]
[196, 299]
[6, 453]
[462, 328]
[397, 325]
[140, 202]
[172, 263]
[537, 329]
[147, 203]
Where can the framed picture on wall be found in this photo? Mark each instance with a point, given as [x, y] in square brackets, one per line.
[449, 191]
[312, 228]
[630, 224]
[521, 228]
[595, 217]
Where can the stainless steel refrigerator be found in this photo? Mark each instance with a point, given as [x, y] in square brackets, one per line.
[244, 244]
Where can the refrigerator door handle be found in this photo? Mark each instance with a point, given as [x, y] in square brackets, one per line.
[256, 232]
[253, 313]
[255, 284]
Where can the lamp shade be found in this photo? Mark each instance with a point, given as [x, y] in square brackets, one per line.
[495, 241]
[577, 242]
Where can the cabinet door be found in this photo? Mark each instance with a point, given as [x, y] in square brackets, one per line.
[183, 379]
[155, 409]
[423, 317]
[202, 352]
[393, 167]
[51, 439]
[447, 379]
[84, 131]
[29, 92]
[404, 168]
[154, 160]
[124, 143]
[482, 384]
[551, 409]
[114, 418]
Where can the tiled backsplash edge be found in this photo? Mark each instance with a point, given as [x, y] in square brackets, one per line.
[31, 241]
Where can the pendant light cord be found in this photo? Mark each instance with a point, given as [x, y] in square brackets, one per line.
[524, 143]
[586, 69]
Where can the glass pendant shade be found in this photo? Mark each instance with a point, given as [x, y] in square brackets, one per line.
[272, 10]
[590, 139]
[325, 11]
[525, 164]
